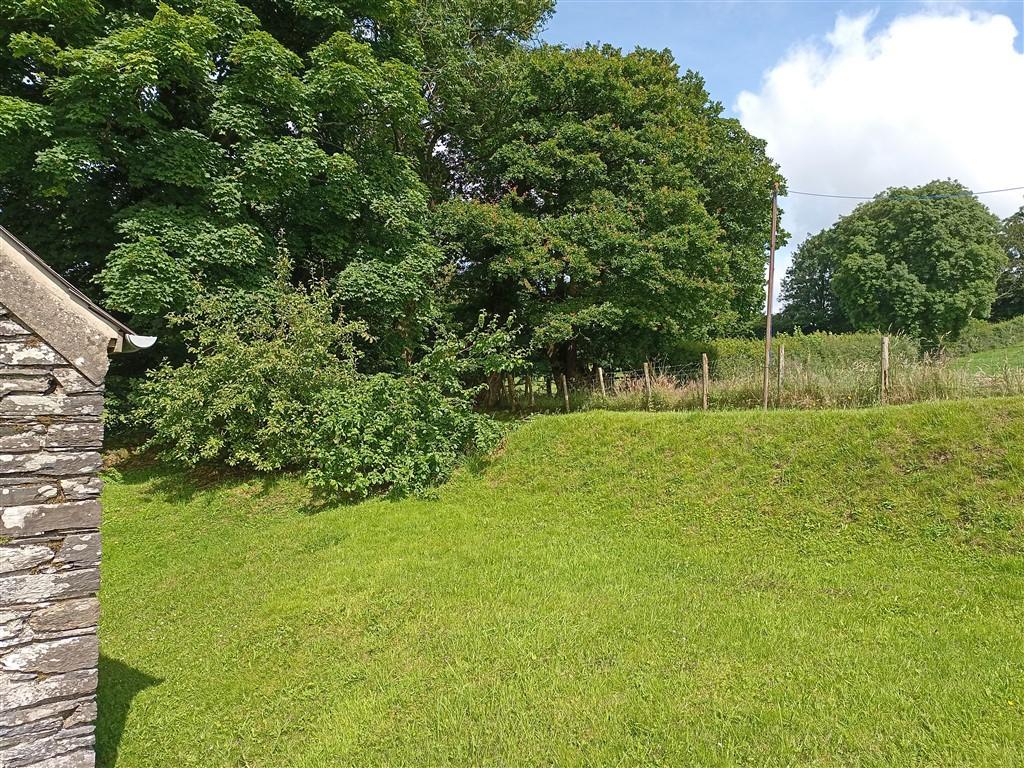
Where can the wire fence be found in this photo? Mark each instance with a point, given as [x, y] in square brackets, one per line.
[793, 382]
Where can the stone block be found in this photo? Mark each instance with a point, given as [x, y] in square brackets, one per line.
[32, 493]
[45, 752]
[20, 690]
[14, 628]
[82, 434]
[45, 719]
[51, 463]
[36, 519]
[11, 327]
[87, 434]
[28, 352]
[53, 656]
[76, 488]
[80, 758]
[21, 557]
[11, 615]
[22, 437]
[18, 589]
[84, 713]
[66, 615]
[79, 549]
[51, 405]
[72, 382]
[27, 384]
[32, 729]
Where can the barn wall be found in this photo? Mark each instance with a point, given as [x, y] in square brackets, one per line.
[50, 435]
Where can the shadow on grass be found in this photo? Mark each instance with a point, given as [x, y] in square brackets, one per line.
[119, 684]
[178, 484]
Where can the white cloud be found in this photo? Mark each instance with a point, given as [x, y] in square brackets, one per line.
[932, 95]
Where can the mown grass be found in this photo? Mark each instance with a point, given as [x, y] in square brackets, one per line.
[993, 362]
[792, 588]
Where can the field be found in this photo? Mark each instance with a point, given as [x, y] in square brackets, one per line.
[993, 361]
[826, 588]
[822, 370]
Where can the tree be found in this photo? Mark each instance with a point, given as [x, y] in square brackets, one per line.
[921, 261]
[810, 302]
[157, 151]
[1010, 288]
[606, 201]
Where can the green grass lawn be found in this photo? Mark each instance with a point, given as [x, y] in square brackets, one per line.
[792, 588]
[993, 361]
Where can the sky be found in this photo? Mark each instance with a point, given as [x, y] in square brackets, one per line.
[851, 96]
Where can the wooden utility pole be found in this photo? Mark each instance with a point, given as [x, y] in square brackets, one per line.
[771, 289]
[704, 379]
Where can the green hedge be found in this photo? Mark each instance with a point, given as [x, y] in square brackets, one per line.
[980, 336]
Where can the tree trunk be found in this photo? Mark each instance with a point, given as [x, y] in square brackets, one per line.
[495, 388]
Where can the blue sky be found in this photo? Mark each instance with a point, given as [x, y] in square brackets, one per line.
[730, 42]
[852, 97]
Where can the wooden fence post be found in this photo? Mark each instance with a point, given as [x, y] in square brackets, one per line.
[528, 386]
[547, 385]
[511, 383]
[782, 370]
[600, 378]
[565, 392]
[647, 384]
[883, 390]
[704, 380]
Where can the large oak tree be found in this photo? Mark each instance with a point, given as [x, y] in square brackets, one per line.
[605, 199]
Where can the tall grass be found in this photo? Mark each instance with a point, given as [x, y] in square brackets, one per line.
[823, 370]
[804, 386]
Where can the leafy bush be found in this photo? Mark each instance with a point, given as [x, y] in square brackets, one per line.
[405, 433]
[275, 385]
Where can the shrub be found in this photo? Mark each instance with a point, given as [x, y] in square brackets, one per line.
[404, 433]
[259, 363]
[274, 384]
[393, 433]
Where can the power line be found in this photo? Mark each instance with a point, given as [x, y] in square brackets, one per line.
[905, 197]
[755, 2]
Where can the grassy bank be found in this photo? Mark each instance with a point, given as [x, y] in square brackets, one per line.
[816, 588]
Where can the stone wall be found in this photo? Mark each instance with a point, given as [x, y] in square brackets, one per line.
[50, 435]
